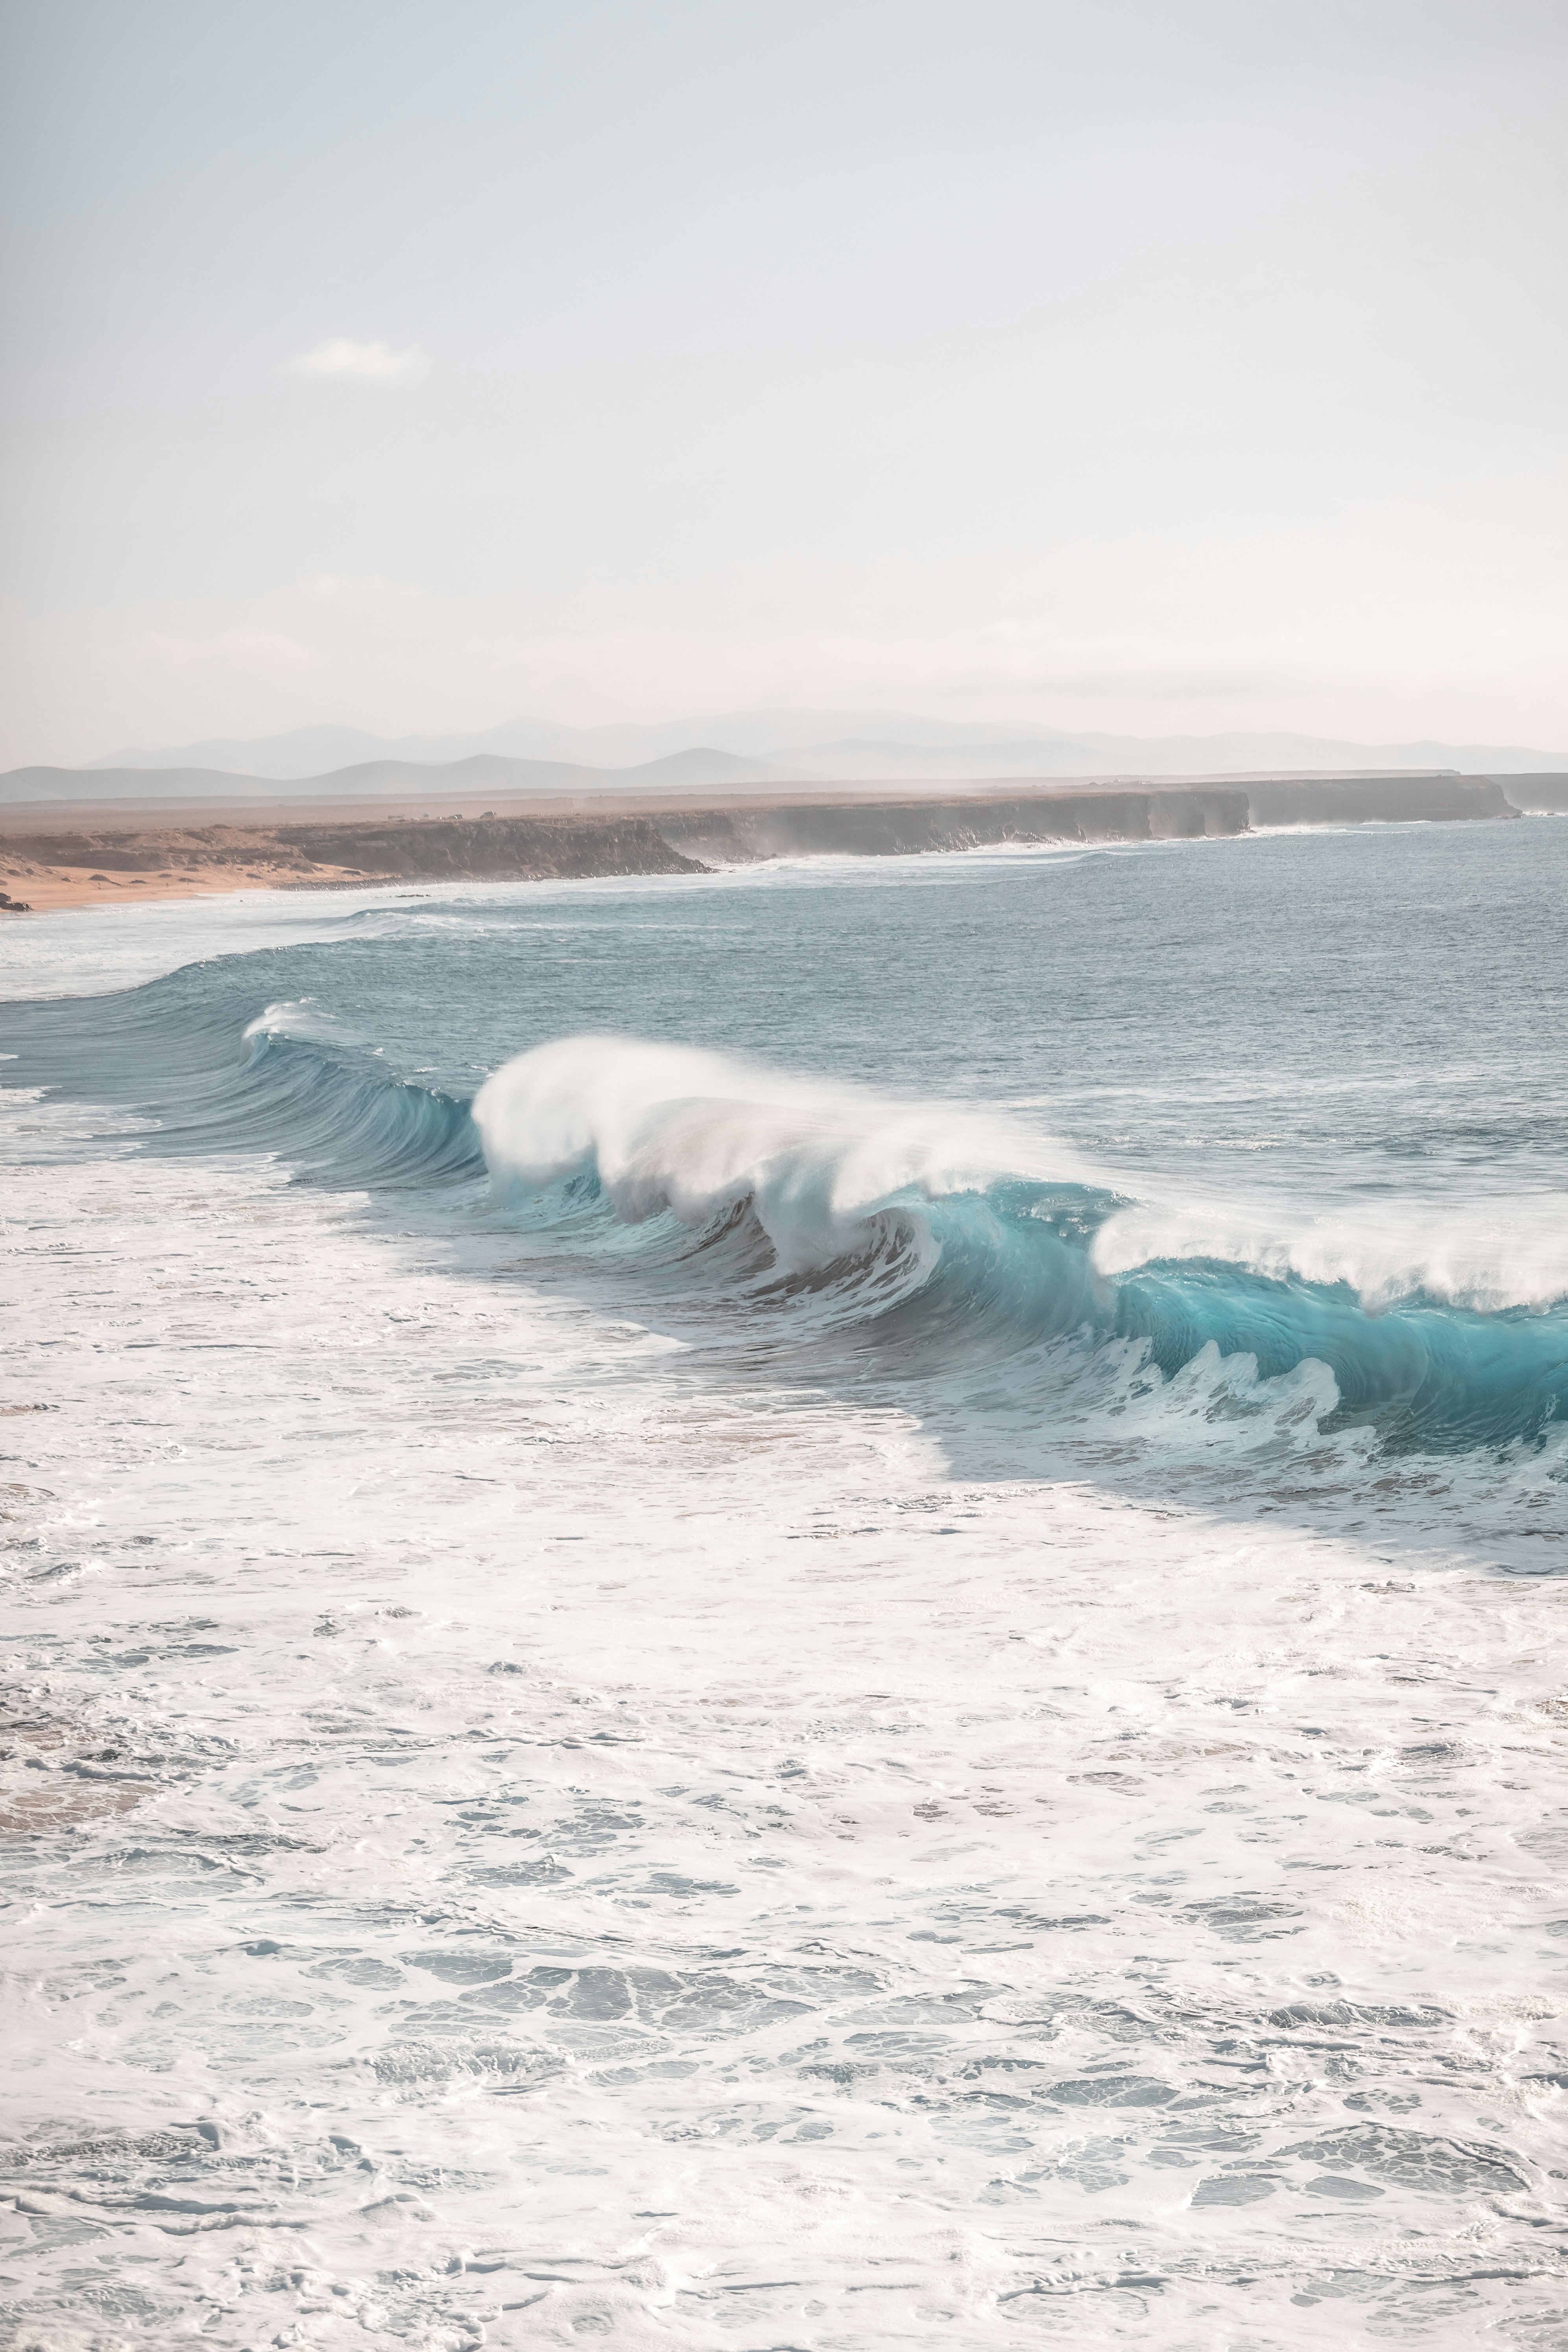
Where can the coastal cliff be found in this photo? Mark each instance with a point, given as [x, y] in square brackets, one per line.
[76, 858]
[449, 849]
[94, 861]
[93, 864]
[1375, 800]
[1544, 793]
[902, 829]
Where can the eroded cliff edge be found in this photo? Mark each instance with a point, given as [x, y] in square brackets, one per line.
[100, 861]
[84, 857]
[902, 829]
[1376, 800]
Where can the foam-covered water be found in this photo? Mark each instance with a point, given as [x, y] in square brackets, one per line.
[813, 1608]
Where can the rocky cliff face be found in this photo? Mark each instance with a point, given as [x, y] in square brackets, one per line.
[445, 849]
[306, 853]
[1541, 795]
[1372, 800]
[882, 829]
[453, 849]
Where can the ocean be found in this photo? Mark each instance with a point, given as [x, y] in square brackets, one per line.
[817, 1607]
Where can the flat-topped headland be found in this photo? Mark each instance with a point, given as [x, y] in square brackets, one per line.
[55, 852]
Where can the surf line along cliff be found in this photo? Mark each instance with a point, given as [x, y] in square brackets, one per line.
[85, 861]
[69, 855]
[905, 828]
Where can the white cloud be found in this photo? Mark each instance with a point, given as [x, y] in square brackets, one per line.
[345, 361]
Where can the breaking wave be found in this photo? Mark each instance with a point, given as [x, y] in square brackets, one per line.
[932, 1232]
[829, 1231]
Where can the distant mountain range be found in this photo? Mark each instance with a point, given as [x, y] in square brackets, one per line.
[485, 775]
[768, 747]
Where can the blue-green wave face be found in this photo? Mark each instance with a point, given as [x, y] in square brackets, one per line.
[892, 1531]
[931, 1257]
[851, 1233]
[1386, 1251]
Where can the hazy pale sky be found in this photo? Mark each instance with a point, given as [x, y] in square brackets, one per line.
[1151, 365]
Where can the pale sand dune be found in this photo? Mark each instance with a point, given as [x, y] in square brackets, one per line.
[45, 891]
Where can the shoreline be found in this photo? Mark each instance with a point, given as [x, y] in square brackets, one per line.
[75, 856]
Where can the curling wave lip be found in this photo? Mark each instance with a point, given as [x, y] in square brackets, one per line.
[995, 1256]
[695, 1132]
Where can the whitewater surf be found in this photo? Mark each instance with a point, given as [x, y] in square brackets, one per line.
[808, 1607]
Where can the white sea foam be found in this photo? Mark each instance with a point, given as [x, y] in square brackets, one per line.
[520, 1832]
[674, 1127]
[554, 1849]
[1516, 1257]
[300, 1018]
[693, 1131]
[86, 951]
[89, 950]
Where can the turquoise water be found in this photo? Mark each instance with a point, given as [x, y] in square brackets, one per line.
[814, 1607]
[1312, 1090]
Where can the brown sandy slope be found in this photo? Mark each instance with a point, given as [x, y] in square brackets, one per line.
[101, 863]
[50, 861]
[75, 855]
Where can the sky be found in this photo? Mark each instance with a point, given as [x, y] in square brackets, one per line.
[1150, 366]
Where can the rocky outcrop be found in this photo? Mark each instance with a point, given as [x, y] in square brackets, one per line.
[345, 850]
[461, 849]
[440, 849]
[902, 829]
[1538, 795]
[308, 854]
[1375, 800]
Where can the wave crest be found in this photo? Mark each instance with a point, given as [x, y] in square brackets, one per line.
[697, 1133]
[951, 1236]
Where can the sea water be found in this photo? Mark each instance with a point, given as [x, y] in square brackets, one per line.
[814, 1608]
